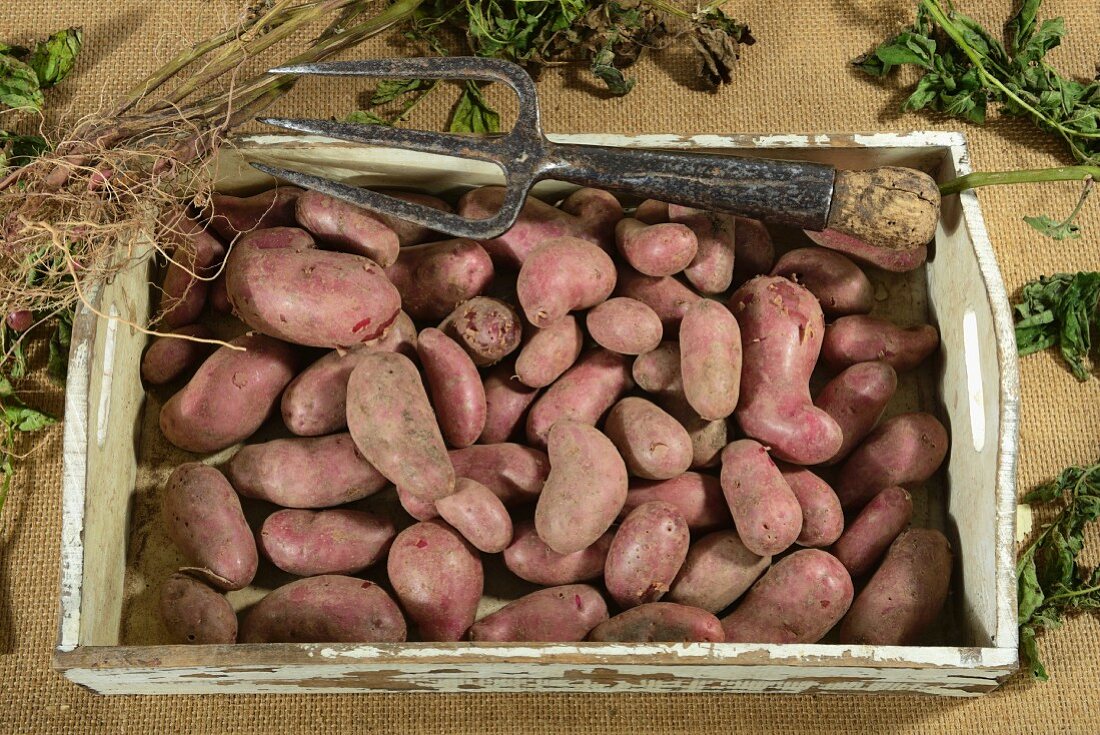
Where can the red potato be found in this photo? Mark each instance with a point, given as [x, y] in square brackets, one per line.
[487, 328]
[718, 569]
[765, 510]
[855, 399]
[660, 622]
[549, 352]
[194, 613]
[585, 490]
[478, 515]
[506, 404]
[658, 371]
[230, 215]
[869, 536]
[529, 558]
[711, 271]
[583, 394]
[624, 325]
[393, 425]
[556, 614]
[310, 542]
[230, 395]
[888, 259]
[904, 450]
[513, 472]
[652, 212]
[435, 277]
[781, 331]
[598, 210]
[20, 320]
[698, 497]
[204, 519]
[418, 508]
[652, 443]
[905, 595]
[304, 473]
[708, 438]
[798, 600]
[325, 609]
[457, 394]
[860, 338]
[658, 249]
[839, 284]
[710, 359]
[754, 252]
[561, 275]
[185, 289]
[665, 295]
[346, 227]
[646, 554]
[410, 233]
[822, 516]
[170, 357]
[218, 297]
[438, 578]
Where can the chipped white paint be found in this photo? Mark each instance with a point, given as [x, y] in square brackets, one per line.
[1024, 522]
[103, 415]
[974, 391]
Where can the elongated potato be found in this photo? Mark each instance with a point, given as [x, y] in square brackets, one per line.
[869, 536]
[698, 497]
[549, 352]
[668, 297]
[798, 600]
[562, 275]
[204, 519]
[559, 614]
[905, 595]
[598, 211]
[528, 557]
[304, 473]
[475, 512]
[326, 609]
[506, 403]
[646, 554]
[230, 215]
[457, 393]
[711, 271]
[347, 227]
[513, 472]
[438, 578]
[753, 248]
[656, 249]
[888, 259]
[855, 399]
[860, 338]
[904, 450]
[710, 359]
[718, 569]
[585, 490]
[623, 325]
[392, 423]
[310, 542]
[822, 516]
[838, 283]
[435, 277]
[487, 328]
[170, 357]
[583, 394]
[764, 508]
[652, 443]
[194, 613]
[197, 254]
[230, 395]
[660, 622]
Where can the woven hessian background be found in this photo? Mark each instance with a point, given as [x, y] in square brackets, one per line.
[796, 80]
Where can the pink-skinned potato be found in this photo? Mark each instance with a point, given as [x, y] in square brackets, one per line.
[708, 438]
[410, 233]
[311, 542]
[185, 290]
[718, 570]
[652, 443]
[479, 515]
[660, 622]
[529, 558]
[856, 398]
[433, 278]
[658, 371]
[646, 554]
[870, 534]
[888, 259]
[418, 508]
[487, 328]
[170, 357]
[651, 212]
[710, 359]
[232, 215]
[765, 511]
[668, 297]
[711, 271]
[556, 614]
[698, 497]
[506, 403]
[549, 352]
[905, 450]
[514, 472]
[861, 338]
[583, 394]
[195, 613]
[822, 516]
[661, 249]
[562, 275]
[598, 211]
[753, 248]
[346, 227]
[623, 325]
[839, 284]
[455, 384]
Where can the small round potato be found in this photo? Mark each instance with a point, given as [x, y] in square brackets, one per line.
[657, 249]
[194, 613]
[623, 325]
[478, 515]
[646, 554]
[652, 443]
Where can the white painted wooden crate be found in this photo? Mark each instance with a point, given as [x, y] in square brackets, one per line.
[973, 384]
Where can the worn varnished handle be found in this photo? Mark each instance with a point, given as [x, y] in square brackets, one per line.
[891, 207]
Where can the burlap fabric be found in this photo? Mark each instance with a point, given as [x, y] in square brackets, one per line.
[796, 79]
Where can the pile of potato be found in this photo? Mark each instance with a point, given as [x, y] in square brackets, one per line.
[619, 406]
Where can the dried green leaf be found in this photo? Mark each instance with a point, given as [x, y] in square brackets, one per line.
[1060, 311]
[366, 117]
[57, 364]
[473, 114]
[391, 89]
[54, 58]
[19, 87]
[603, 66]
[1053, 228]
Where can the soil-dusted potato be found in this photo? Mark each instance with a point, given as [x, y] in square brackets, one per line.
[308, 296]
[822, 516]
[798, 600]
[764, 508]
[438, 579]
[230, 215]
[478, 515]
[457, 394]
[560, 614]
[563, 275]
[537, 222]
[781, 331]
[711, 271]
[585, 490]
[194, 613]
[435, 277]
[652, 443]
[528, 557]
[316, 402]
[660, 622]
[418, 508]
[598, 210]
[513, 472]
[170, 357]
[904, 450]
[410, 233]
[549, 352]
[708, 438]
[311, 542]
[905, 595]
[185, 293]
[658, 371]
[718, 569]
[230, 395]
[698, 497]
[710, 359]
[869, 536]
[204, 519]
[839, 284]
[393, 425]
[347, 227]
[314, 472]
[652, 212]
[506, 403]
[754, 251]
[623, 325]
[888, 259]
[664, 294]
[861, 338]
[855, 399]
[646, 554]
[487, 328]
[583, 394]
[326, 609]
[658, 249]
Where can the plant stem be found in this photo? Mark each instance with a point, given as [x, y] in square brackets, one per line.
[670, 8]
[1075, 593]
[1024, 176]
